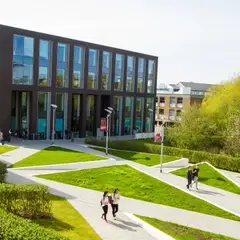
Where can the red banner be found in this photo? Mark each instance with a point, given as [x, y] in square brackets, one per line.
[157, 137]
[103, 126]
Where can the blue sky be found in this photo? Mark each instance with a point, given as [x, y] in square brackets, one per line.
[195, 40]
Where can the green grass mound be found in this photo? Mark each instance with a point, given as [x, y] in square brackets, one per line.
[211, 177]
[56, 155]
[138, 157]
[180, 232]
[4, 149]
[135, 184]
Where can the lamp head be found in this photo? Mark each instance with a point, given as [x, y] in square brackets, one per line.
[54, 106]
[107, 110]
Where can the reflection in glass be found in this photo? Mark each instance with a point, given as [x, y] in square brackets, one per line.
[23, 60]
[119, 68]
[45, 60]
[62, 65]
[139, 114]
[141, 75]
[149, 115]
[151, 76]
[78, 81]
[106, 71]
[91, 112]
[117, 123]
[128, 121]
[92, 69]
[130, 74]
[76, 110]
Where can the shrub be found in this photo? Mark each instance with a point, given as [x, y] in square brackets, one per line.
[217, 160]
[3, 172]
[13, 227]
[26, 200]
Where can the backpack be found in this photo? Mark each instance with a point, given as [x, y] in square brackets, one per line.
[101, 202]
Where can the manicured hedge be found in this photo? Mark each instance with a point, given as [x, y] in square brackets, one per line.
[217, 160]
[15, 228]
[26, 200]
[3, 172]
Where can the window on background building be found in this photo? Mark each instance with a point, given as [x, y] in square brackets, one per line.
[62, 65]
[45, 63]
[117, 116]
[106, 70]
[172, 114]
[43, 115]
[179, 113]
[93, 69]
[139, 114]
[128, 121]
[151, 77]
[179, 100]
[119, 68]
[23, 55]
[172, 100]
[161, 111]
[78, 58]
[162, 99]
[149, 115]
[130, 74]
[141, 75]
[61, 114]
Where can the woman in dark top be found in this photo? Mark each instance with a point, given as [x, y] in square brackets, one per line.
[195, 176]
[189, 177]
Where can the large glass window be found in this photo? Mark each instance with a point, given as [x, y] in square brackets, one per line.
[149, 115]
[119, 69]
[130, 74]
[93, 69]
[61, 114]
[45, 60]
[128, 121]
[76, 113]
[91, 114]
[78, 81]
[117, 116]
[151, 76]
[23, 52]
[139, 114]
[62, 65]
[141, 75]
[106, 71]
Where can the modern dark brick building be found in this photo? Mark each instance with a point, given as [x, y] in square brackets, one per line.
[81, 78]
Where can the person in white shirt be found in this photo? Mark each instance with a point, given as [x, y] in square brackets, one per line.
[116, 198]
[104, 204]
[1, 137]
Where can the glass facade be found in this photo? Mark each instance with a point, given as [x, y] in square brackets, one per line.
[76, 113]
[43, 115]
[141, 75]
[93, 69]
[91, 115]
[23, 55]
[128, 121]
[117, 116]
[45, 63]
[149, 115]
[151, 76]
[139, 114]
[62, 65]
[119, 70]
[106, 70]
[130, 74]
[61, 115]
[78, 64]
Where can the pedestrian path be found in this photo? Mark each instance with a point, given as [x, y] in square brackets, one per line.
[235, 177]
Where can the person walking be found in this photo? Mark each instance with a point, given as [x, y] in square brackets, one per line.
[195, 175]
[104, 204]
[189, 177]
[1, 137]
[116, 198]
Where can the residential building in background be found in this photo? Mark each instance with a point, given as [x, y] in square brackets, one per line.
[171, 99]
[82, 79]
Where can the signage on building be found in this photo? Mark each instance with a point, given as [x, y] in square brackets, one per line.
[103, 126]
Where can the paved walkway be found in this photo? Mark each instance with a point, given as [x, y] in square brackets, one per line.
[87, 201]
[232, 175]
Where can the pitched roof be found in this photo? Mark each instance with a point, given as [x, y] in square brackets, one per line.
[197, 86]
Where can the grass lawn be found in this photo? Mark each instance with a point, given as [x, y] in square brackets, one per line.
[67, 221]
[135, 184]
[4, 149]
[211, 177]
[179, 232]
[142, 158]
[56, 155]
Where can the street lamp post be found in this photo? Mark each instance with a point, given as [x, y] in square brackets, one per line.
[107, 132]
[54, 107]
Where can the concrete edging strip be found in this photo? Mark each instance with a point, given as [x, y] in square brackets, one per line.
[159, 235]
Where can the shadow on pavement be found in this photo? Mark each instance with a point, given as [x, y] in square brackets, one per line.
[128, 223]
[122, 226]
[208, 192]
